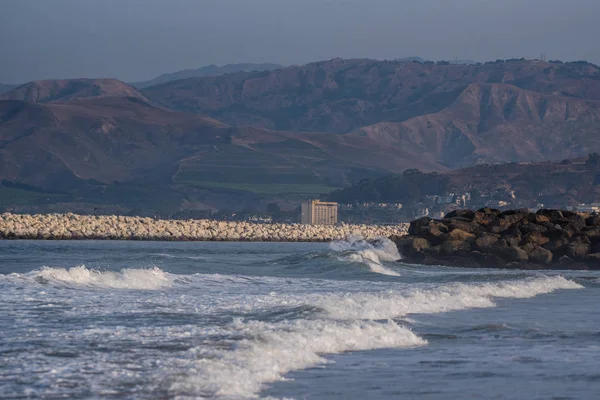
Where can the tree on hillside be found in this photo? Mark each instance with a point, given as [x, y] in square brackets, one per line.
[410, 186]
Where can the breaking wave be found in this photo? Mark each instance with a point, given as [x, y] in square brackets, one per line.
[372, 253]
[339, 322]
[141, 279]
[272, 350]
[396, 304]
[280, 324]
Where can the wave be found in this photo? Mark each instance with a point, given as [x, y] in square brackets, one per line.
[342, 302]
[338, 322]
[272, 350]
[290, 324]
[358, 250]
[141, 279]
[392, 304]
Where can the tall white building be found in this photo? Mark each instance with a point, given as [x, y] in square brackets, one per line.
[315, 212]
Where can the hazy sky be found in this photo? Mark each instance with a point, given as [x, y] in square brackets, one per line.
[139, 39]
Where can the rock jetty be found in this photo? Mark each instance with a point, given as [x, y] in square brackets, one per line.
[519, 239]
[79, 227]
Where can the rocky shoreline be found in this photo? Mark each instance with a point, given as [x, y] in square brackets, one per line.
[515, 239]
[87, 227]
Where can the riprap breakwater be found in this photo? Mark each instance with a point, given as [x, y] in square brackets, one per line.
[92, 227]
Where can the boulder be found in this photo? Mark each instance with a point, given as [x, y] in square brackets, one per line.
[460, 235]
[537, 218]
[514, 216]
[500, 225]
[551, 214]
[510, 239]
[593, 220]
[455, 247]
[535, 238]
[557, 246]
[486, 240]
[417, 226]
[487, 260]
[512, 254]
[486, 216]
[577, 251]
[513, 241]
[458, 223]
[529, 227]
[467, 215]
[500, 244]
[436, 234]
[520, 213]
[413, 246]
[573, 223]
[432, 230]
[592, 232]
[506, 221]
[434, 251]
[540, 255]
[513, 236]
[557, 233]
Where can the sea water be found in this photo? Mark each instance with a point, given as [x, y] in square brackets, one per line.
[344, 320]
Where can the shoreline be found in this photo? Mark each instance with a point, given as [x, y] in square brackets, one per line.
[121, 228]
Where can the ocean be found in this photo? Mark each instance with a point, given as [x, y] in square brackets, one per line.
[345, 320]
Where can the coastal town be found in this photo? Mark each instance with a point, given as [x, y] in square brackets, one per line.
[438, 206]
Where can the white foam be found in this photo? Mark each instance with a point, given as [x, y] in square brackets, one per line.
[348, 322]
[400, 301]
[142, 279]
[344, 316]
[272, 350]
[393, 304]
[371, 254]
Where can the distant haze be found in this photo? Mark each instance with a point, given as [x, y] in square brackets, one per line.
[135, 40]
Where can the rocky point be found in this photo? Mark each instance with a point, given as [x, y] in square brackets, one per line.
[518, 239]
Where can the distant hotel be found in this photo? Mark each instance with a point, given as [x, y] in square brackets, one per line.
[315, 212]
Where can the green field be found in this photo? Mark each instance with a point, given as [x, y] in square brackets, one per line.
[265, 188]
[10, 197]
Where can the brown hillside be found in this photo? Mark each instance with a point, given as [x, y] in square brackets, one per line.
[344, 95]
[498, 123]
[70, 89]
[109, 139]
[125, 140]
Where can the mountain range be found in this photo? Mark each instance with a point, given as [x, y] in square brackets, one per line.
[246, 138]
[209, 70]
[66, 90]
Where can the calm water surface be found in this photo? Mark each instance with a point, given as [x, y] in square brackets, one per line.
[147, 320]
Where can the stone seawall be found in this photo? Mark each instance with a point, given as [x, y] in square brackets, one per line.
[86, 227]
